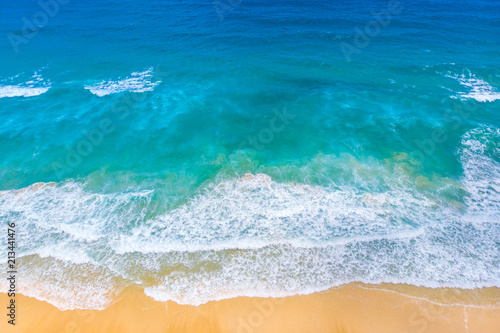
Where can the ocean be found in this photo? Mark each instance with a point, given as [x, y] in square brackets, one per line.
[204, 150]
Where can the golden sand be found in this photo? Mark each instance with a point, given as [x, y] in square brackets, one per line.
[350, 308]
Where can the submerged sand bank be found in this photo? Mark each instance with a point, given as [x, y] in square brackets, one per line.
[350, 308]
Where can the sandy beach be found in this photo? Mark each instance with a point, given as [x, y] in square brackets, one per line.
[350, 308]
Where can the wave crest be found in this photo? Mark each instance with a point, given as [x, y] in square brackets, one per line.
[136, 82]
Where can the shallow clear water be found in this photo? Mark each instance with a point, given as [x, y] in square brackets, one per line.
[259, 148]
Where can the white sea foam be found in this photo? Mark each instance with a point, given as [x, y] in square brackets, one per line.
[66, 284]
[255, 212]
[479, 154]
[35, 86]
[136, 82]
[254, 236]
[477, 89]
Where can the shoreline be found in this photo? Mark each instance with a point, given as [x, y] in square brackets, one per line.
[354, 307]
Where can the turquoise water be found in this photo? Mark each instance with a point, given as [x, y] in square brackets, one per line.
[258, 148]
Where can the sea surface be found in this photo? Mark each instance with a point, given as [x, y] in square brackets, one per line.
[206, 150]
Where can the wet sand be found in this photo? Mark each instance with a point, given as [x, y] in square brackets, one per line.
[351, 308]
